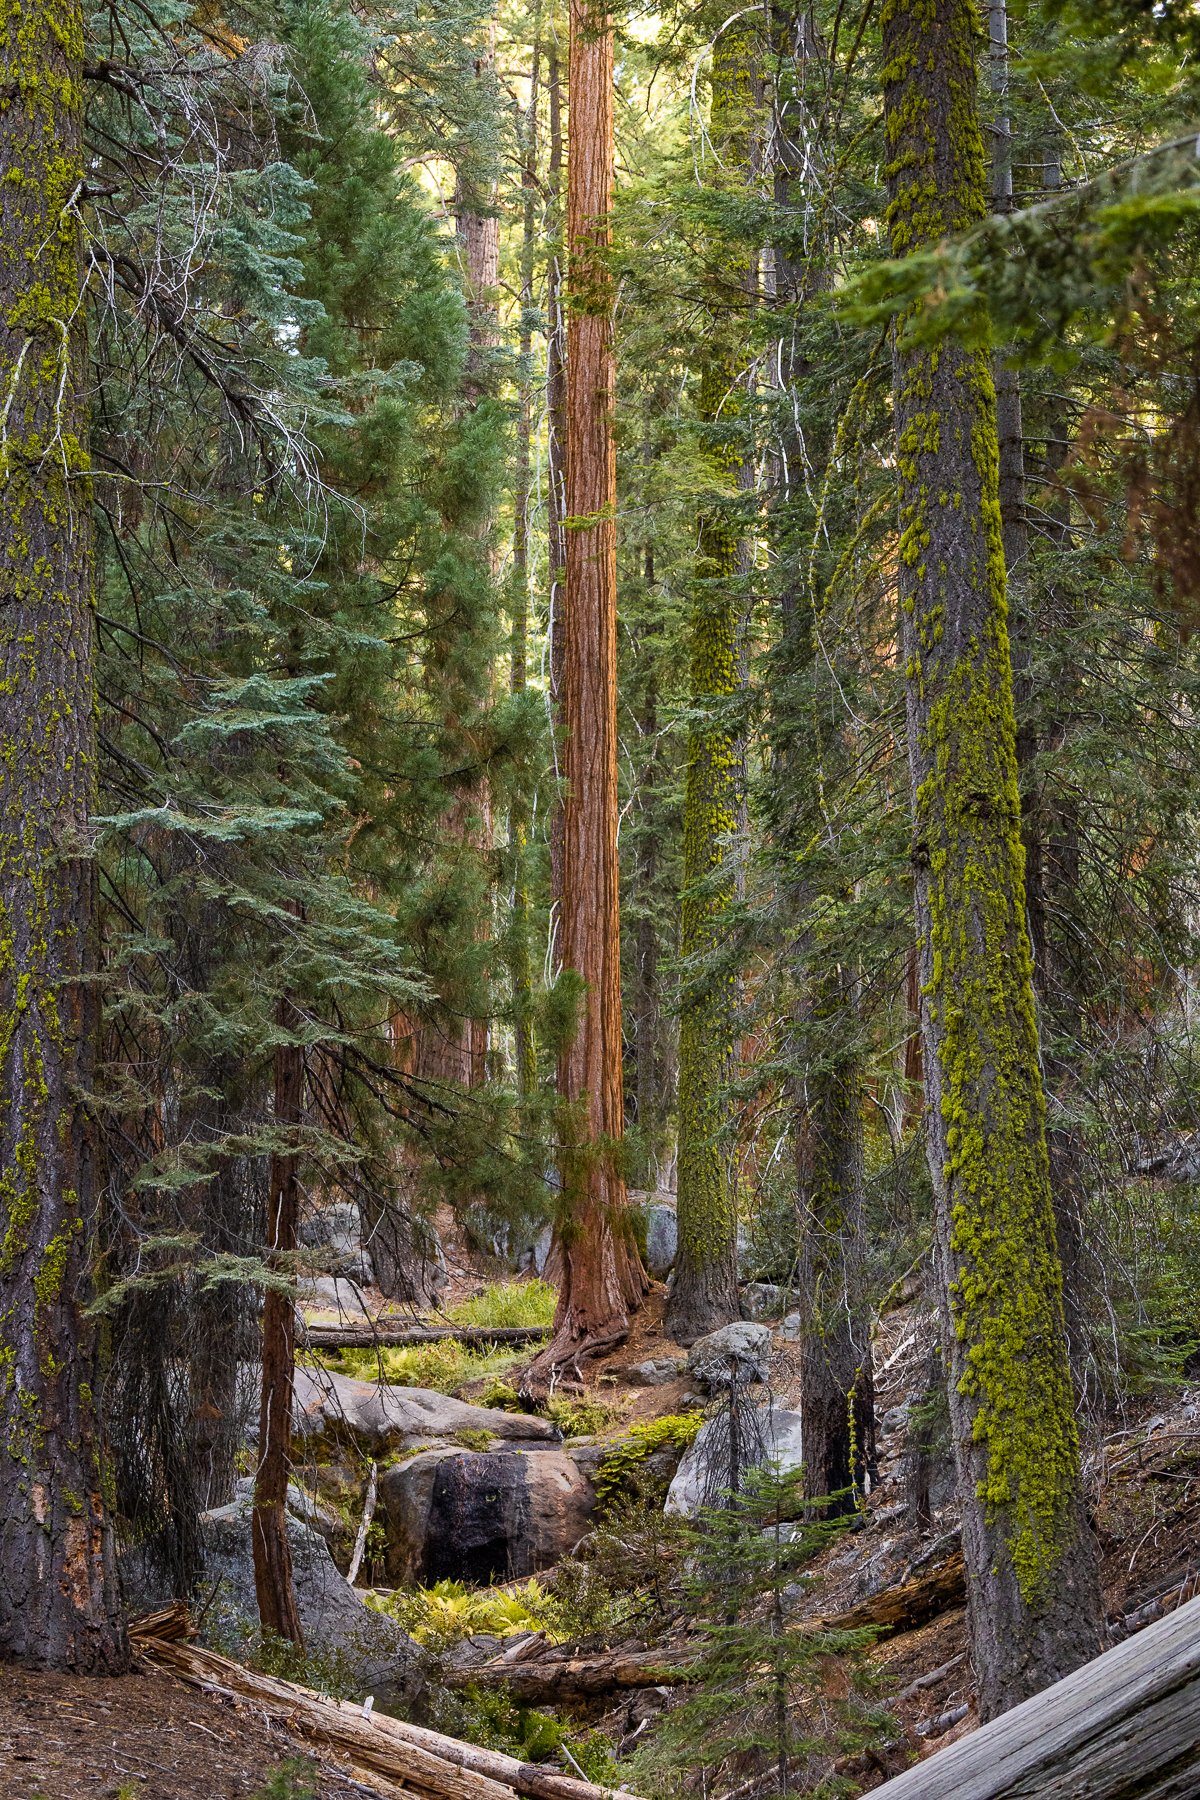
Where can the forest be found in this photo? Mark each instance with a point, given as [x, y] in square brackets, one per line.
[599, 899]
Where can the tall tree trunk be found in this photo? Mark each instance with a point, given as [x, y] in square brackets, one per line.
[59, 1605]
[556, 468]
[705, 1291]
[273, 1583]
[1034, 1603]
[646, 1008]
[602, 1275]
[837, 1393]
[520, 972]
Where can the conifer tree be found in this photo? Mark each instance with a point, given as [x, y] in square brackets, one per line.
[601, 1273]
[58, 1592]
[705, 1291]
[1032, 1582]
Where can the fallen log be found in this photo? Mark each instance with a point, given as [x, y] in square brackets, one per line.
[567, 1678]
[903, 1608]
[442, 1767]
[1125, 1726]
[576, 1678]
[400, 1337]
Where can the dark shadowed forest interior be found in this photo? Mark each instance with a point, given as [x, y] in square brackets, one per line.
[599, 899]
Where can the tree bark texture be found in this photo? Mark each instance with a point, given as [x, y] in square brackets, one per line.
[273, 1583]
[556, 468]
[1032, 1581]
[520, 971]
[705, 1291]
[602, 1276]
[837, 1394]
[59, 1605]
[1122, 1728]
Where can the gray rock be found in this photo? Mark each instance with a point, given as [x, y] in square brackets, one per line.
[894, 1419]
[763, 1300]
[378, 1417]
[369, 1652]
[335, 1297]
[480, 1516]
[662, 1238]
[697, 1482]
[791, 1328]
[656, 1371]
[736, 1352]
[337, 1231]
[587, 1454]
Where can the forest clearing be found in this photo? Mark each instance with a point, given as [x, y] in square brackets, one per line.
[599, 900]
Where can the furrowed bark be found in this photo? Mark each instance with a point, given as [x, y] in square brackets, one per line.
[705, 1291]
[1032, 1579]
[602, 1276]
[59, 1605]
[274, 1585]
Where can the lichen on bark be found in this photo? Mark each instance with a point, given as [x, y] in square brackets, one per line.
[58, 1599]
[705, 1293]
[1033, 1593]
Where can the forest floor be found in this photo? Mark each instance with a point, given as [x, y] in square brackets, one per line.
[147, 1737]
[150, 1737]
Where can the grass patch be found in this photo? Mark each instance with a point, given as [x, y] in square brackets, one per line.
[505, 1304]
[446, 1366]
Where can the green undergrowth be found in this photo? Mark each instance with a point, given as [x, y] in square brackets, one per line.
[508, 1305]
[495, 1721]
[295, 1780]
[445, 1366]
[442, 1615]
[448, 1366]
[623, 1473]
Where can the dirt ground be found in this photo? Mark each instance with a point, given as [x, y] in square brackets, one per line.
[146, 1737]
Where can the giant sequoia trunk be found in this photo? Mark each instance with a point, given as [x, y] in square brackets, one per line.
[602, 1276]
[58, 1595]
[1033, 1596]
[705, 1293]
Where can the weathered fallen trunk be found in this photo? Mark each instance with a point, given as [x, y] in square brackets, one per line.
[427, 1761]
[1125, 1726]
[564, 1679]
[384, 1337]
[903, 1608]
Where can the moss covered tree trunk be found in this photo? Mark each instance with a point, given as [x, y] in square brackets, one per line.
[705, 1291]
[602, 1277]
[59, 1603]
[1033, 1596]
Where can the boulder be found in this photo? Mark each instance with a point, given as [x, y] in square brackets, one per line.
[735, 1353]
[334, 1299]
[792, 1327]
[656, 1371]
[700, 1477]
[347, 1644]
[337, 1232]
[763, 1300]
[379, 1418]
[662, 1239]
[480, 1516]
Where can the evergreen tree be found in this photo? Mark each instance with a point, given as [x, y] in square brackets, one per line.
[58, 1592]
[1034, 1600]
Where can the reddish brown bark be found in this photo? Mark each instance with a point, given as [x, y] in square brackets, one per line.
[602, 1275]
[273, 1583]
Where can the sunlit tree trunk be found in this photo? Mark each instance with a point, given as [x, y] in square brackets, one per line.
[1033, 1595]
[59, 1604]
[602, 1276]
